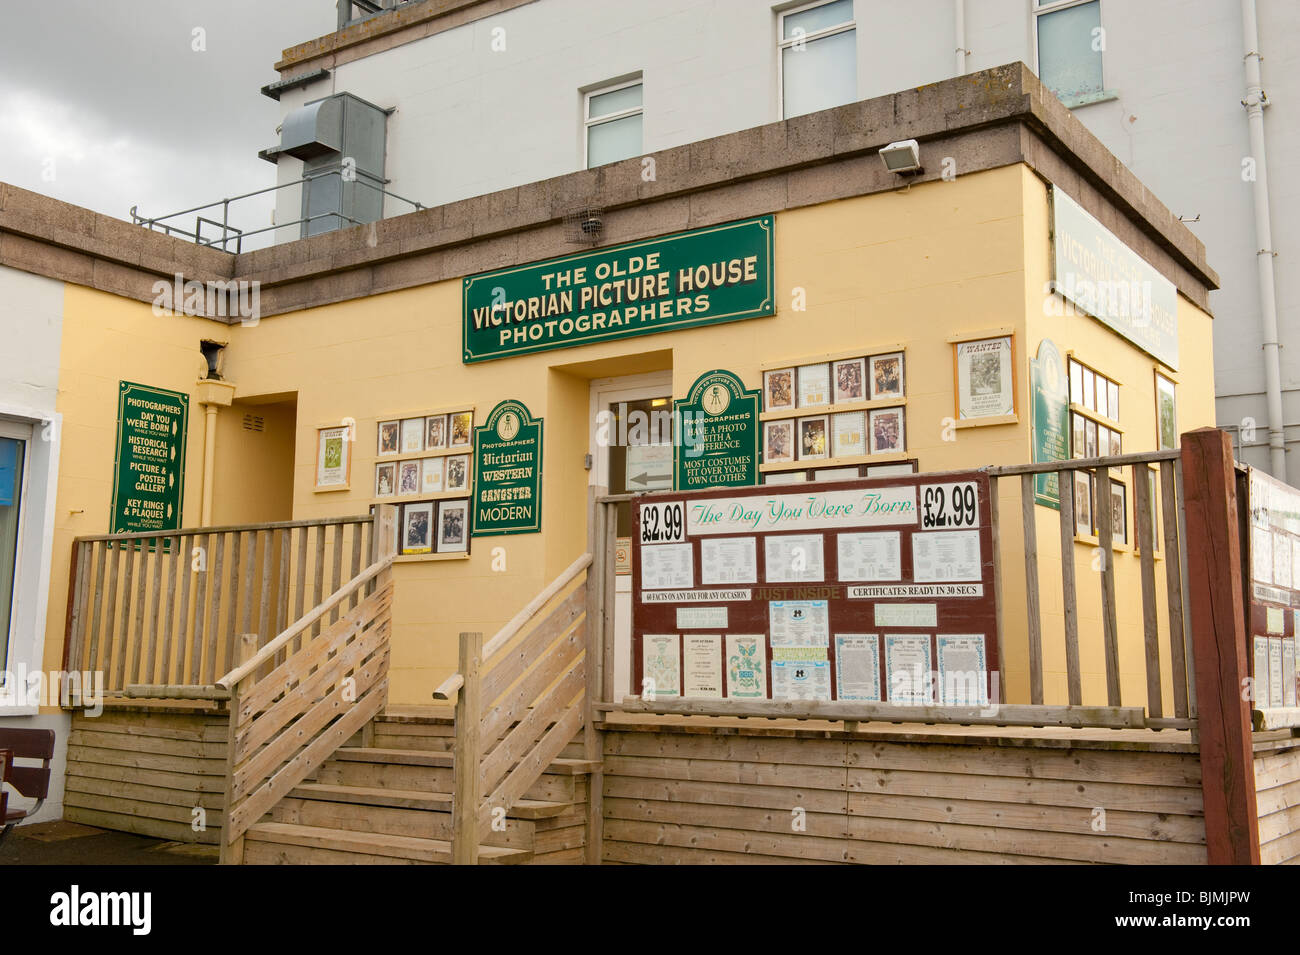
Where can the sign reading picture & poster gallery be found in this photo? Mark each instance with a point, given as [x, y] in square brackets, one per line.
[721, 273]
[149, 463]
[508, 472]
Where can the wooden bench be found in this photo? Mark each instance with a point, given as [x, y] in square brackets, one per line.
[33, 782]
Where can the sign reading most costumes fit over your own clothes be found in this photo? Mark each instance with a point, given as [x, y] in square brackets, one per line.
[721, 273]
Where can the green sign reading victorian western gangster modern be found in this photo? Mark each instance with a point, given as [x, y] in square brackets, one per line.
[149, 467]
[508, 472]
[718, 274]
[719, 434]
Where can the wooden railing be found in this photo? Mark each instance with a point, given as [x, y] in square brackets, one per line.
[523, 697]
[168, 609]
[330, 681]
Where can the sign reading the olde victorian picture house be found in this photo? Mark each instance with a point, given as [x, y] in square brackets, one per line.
[878, 590]
[719, 434]
[508, 472]
[149, 466]
[721, 273]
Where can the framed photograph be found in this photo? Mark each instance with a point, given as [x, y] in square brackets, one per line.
[1166, 413]
[1078, 435]
[417, 528]
[462, 429]
[1112, 400]
[435, 432]
[850, 380]
[887, 431]
[984, 370]
[848, 434]
[778, 441]
[1102, 397]
[1076, 382]
[453, 526]
[1089, 395]
[389, 437]
[1083, 503]
[887, 376]
[333, 457]
[412, 435]
[457, 478]
[408, 478]
[431, 471]
[813, 440]
[1115, 445]
[814, 385]
[778, 389]
[1119, 512]
[386, 479]
[1091, 437]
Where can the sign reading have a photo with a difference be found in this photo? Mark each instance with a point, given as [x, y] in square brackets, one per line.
[508, 472]
[149, 467]
[719, 443]
[721, 273]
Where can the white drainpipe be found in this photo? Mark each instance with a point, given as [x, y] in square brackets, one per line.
[1255, 102]
[959, 25]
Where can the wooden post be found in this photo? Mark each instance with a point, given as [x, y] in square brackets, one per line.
[1032, 600]
[232, 850]
[594, 669]
[1217, 604]
[465, 755]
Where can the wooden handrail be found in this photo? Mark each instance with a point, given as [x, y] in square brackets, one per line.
[267, 652]
[227, 529]
[1082, 464]
[504, 635]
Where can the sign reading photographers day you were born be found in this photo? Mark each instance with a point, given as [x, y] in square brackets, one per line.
[508, 472]
[149, 467]
[828, 587]
[721, 273]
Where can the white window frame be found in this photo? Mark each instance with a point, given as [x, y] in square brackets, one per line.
[588, 123]
[783, 44]
[1041, 7]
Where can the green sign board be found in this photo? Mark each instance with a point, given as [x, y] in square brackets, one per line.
[149, 467]
[718, 274]
[508, 472]
[717, 442]
[1050, 395]
[1109, 281]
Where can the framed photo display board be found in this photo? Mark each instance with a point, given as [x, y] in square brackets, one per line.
[872, 586]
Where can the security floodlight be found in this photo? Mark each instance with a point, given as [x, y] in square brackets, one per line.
[902, 157]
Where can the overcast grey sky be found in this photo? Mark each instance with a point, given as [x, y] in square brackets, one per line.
[107, 104]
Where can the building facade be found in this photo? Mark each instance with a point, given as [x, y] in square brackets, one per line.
[489, 96]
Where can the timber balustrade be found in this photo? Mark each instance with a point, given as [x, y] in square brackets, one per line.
[162, 615]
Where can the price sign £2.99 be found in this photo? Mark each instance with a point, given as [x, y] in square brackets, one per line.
[663, 523]
[949, 505]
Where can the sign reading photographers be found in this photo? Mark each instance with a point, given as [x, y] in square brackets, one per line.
[718, 444]
[719, 274]
[508, 472]
[149, 466]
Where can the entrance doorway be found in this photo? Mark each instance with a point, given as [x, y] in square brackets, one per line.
[631, 446]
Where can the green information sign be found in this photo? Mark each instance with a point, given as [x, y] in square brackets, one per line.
[1049, 391]
[718, 437]
[719, 274]
[149, 467]
[508, 472]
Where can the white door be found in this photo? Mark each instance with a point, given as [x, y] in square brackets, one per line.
[631, 450]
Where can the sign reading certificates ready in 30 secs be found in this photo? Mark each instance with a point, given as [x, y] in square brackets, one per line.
[719, 274]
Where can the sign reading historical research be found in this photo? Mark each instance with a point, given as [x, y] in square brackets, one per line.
[508, 472]
[1109, 281]
[149, 466]
[721, 273]
[875, 591]
[719, 439]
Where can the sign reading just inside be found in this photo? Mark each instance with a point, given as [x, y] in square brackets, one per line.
[508, 472]
[149, 468]
[721, 273]
[1109, 281]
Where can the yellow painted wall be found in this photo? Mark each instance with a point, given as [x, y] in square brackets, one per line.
[912, 267]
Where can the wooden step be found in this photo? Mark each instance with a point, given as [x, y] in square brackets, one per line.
[443, 758]
[415, 799]
[288, 843]
[430, 771]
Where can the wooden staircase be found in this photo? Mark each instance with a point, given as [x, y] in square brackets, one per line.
[391, 804]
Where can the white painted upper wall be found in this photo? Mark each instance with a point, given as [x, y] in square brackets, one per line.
[470, 120]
